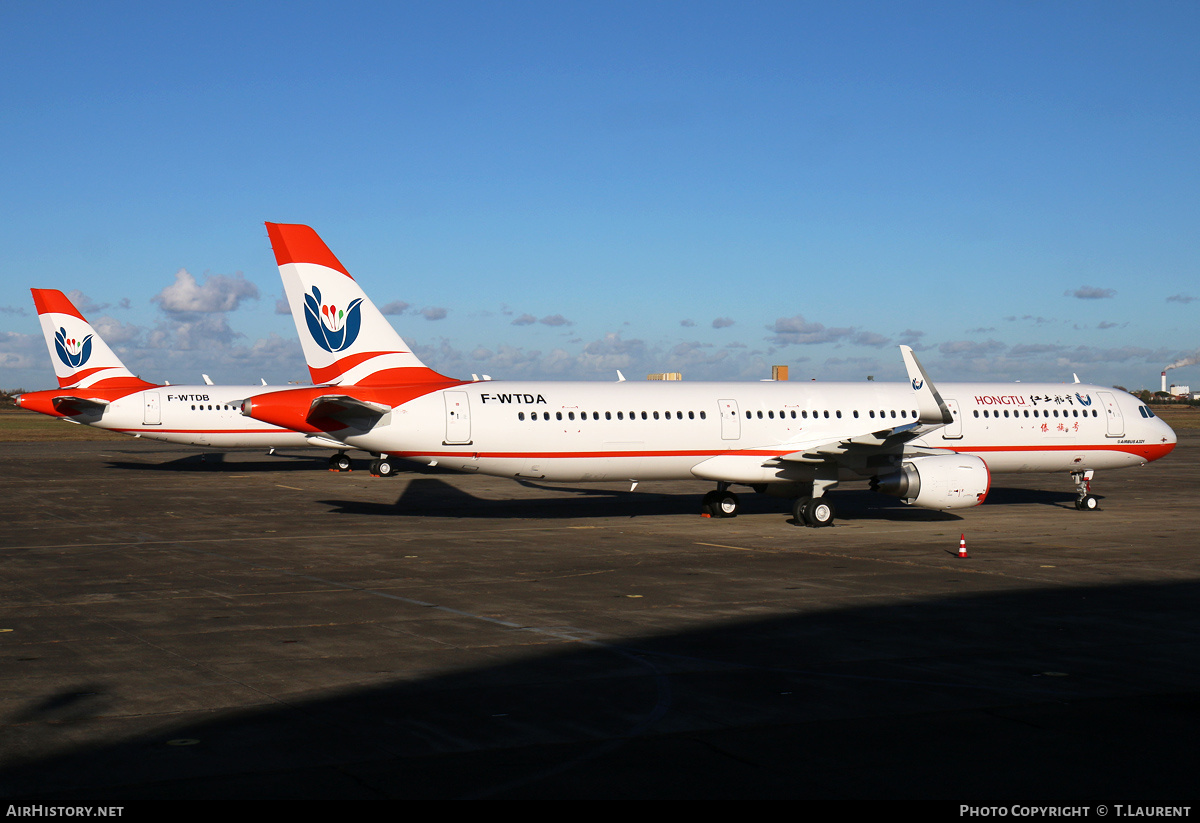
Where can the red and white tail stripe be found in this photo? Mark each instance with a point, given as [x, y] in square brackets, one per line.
[345, 338]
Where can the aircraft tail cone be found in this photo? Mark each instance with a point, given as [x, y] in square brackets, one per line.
[962, 546]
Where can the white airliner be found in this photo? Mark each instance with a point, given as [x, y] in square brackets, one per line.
[933, 448]
[96, 389]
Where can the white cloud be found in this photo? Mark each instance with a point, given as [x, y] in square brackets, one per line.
[218, 293]
[114, 332]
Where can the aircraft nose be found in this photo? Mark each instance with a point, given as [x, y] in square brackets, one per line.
[1168, 433]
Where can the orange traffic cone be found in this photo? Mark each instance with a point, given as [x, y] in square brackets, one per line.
[962, 546]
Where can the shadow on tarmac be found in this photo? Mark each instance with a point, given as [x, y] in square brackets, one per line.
[1069, 695]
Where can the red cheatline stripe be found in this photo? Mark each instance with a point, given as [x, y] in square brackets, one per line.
[1130, 449]
[53, 301]
[154, 430]
[551, 455]
[294, 243]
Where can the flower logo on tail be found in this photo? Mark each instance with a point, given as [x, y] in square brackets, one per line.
[74, 353]
[333, 328]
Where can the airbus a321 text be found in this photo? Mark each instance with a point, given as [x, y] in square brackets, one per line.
[935, 447]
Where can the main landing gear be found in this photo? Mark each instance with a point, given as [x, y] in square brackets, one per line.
[720, 502]
[1084, 502]
[813, 511]
[382, 466]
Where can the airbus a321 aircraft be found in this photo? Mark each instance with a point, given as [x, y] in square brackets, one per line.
[96, 389]
[932, 448]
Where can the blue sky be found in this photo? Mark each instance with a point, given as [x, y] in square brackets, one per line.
[557, 190]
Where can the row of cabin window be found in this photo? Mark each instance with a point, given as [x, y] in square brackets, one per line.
[609, 415]
[904, 413]
[1044, 413]
[691, 415]
[209, 407]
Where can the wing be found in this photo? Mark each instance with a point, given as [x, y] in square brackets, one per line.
[862, 451]
[891, 441]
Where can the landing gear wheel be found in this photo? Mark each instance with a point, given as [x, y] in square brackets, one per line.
[383, 467]
[799, 509]
[727, 504]
[1087, 503]
[819, 512]
[720, 504]
[339, 462]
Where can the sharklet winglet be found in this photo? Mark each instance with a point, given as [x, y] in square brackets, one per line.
[929, 402]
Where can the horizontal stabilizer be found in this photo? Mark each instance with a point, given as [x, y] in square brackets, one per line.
[68, 404]
[350, 412]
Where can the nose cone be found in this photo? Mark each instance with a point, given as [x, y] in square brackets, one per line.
[1166, 436]
[1159, 439]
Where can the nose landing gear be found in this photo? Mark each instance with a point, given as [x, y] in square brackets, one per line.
[1084, 502]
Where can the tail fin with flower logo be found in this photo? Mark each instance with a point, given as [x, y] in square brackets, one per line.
[345, 338]
[80, 356]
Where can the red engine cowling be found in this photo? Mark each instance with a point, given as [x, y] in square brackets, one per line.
[944, 481]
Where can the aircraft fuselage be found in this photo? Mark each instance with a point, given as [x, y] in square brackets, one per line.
[727, 431]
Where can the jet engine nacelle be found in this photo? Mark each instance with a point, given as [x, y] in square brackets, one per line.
[944, 481]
